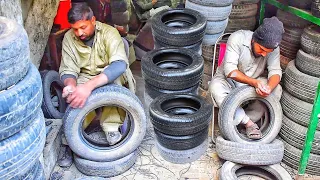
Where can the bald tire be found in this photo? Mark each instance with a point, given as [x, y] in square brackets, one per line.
[308, 63]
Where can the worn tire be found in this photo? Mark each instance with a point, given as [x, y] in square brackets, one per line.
[214, 27]
[189, 114]
[234, 100]
[315, 9]
[243, 11]
[288, 49]
[284, 62]
[210, 12]
[238, 2]
[310, 40]
[184, 156]
[181, 142]
[308, 63]
[172, 68]
[21, 152]
[105, 169]
[14, 53]
[178, 27]
[276, 171]
[241, 24]
[194, 47]
[20, 104]
[300, 85]
[260, 154]
[214, 3]
[211, 39]
[291, 20]
[109, 95]
[295, 135]
[292, 35]
[120, 18]
[306, 4]
[51, 81]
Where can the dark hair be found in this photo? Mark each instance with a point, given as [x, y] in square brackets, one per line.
[79, 11]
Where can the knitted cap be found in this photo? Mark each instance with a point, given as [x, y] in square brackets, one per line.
[269, 33]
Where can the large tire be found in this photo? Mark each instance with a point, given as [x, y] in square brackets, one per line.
[194, 47]
[211, 39]
[210, 12]
[109, 95]
[288, 49]
[214, 27]
[181, 142]
[305, 4]
[172, 68]
[20, 104]
[308, 63]
[184, 156]
[292, 35]
[243, 11]
[21, 152]
[260, 154]
[51, 83]
[241, 24]
[295, 135]
[299, 84]
[105, 169]
[14, 53]
[178, 27]
[296, 109]
[274, 172]
[291, 20]
[180, 114]
[214, 3]
[310, 40]
[233, 101]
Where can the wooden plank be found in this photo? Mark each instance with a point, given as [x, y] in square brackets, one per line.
[12, 10]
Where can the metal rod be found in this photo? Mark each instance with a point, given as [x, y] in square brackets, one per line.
[262, 10]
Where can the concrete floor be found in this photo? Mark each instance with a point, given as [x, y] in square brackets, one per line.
[150, 165]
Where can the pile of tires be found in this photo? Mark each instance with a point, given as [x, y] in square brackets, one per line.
[236, 147]
[315, 8]
[306, 4]
[95, 157]
[22, 134]
[216, 13]
[53, 104]
[243, 15]
[300, 83]
[180, 28]
[181, 123]
[121, 13]
[290, 44]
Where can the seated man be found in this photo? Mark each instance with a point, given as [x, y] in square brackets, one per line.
[146, 9]
[247, 55]
[93, 55]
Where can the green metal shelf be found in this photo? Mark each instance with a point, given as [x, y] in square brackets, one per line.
[301, 13]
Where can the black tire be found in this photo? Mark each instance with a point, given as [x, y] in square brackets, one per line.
[291, 20]
[299, 84]
[292, 158]
[154, 92]
[271, 172]
[233, 101]
[295, 135]
[185, 156]
[292, 35]
[172, 68]
[14, 53]
[315, 9]
[120, 18]
[214, 27]
[195, 47]
[109, 95]
[310, 40]
[306, 4]
[243, 11]
[210, 12]
[105, 169]
[178, 27]
[237, 2]
[22, 150]
[118, 6]
[180, 114]
[260, 154]
[296, 109]
[20, 104]
[241, 24]
[288, 49]
[211, 39]
[308, 63]
[214, 3]
[181, 142]
[51, 83]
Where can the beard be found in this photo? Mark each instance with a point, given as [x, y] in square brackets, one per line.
[254, 52]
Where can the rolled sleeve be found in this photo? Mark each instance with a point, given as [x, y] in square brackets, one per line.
[115, 47]
[273, 63]
[231, 57]
[68, 64]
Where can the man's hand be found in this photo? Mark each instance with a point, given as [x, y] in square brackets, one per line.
[154, 2]
[262, 89]
[68, 90]
[79, 96]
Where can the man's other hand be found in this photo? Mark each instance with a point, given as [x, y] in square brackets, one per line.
[79, 96]
[262, 89]
[154, 2]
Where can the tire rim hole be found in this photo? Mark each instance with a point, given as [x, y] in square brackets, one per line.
[178, 20]
[169, 64]
[247, 172]
[172, 60]
[180, 106]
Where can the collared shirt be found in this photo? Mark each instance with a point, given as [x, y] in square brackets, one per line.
[85, 62]
[239, 56]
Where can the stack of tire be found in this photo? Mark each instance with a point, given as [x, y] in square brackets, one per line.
[171, 70]
[315, 8]
[290, 44]
[22, 133]
[301, 79]
[181, 123]
[121, 13]
[243, 15]
[237, 148]
[216, 12]
[179, 28]
[306, 4]
[94, 156]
